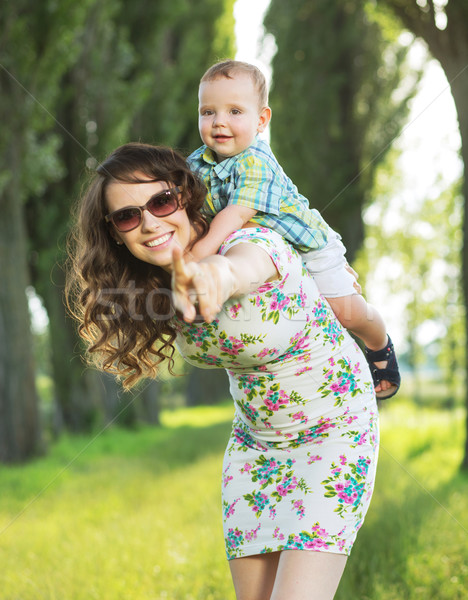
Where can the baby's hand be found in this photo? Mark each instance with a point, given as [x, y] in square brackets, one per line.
[356, 285]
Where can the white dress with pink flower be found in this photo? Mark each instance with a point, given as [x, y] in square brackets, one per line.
[300, 464]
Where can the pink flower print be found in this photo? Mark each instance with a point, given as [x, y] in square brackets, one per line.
[234, 310]
[266, 352]
[315, 544]
[272, 513]
[298, 343]
[319, 531]
[258, 300]
[231, 509]
[313, 459]
[342, 459]
[211, 359]
[274, 400]
[286, 486]
[252, 534]
[336, 470]
[331, 361]
[356, 369]
[232, 346]
[264, 288]
[340, 387]
[360, 439]
[258, 501]
[246, 468]
[299, 416]
[277, 534]
[300, 508]
[303, 370]
[227, 479]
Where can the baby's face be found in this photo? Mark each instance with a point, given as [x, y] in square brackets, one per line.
[229, 114]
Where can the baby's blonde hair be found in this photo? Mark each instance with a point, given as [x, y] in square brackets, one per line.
[228, 68]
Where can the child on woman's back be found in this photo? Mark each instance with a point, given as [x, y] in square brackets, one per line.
[246, 183]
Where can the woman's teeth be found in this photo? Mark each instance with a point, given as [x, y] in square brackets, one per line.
[158, 241]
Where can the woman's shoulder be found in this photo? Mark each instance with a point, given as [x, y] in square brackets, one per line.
[254, 235]
[281, 251]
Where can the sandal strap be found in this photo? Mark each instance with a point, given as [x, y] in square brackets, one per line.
[383, 354]
[391, 372]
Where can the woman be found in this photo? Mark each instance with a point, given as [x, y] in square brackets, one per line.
[300, 463]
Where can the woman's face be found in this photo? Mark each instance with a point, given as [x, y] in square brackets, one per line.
[155, 238]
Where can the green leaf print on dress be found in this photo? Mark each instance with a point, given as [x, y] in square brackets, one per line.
[341, 380]
[273, 302]
[323, 317]
[347, 483]
[202, 335]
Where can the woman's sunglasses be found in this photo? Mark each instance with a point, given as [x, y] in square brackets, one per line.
[162, 204]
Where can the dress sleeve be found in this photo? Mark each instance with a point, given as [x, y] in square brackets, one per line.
[284, 256]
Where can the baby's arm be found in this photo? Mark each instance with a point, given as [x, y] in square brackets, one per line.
[228, 220]
[362, 319]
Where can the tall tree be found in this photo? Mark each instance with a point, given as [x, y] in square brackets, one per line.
[91, 116]
[334, 112]
[37, 45]
[133, 78]
[175, 43]
[444, 28]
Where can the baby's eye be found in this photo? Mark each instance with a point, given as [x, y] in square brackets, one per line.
[206, 112]
[235, 111]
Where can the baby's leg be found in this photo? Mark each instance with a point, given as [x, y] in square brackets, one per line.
[328, 266]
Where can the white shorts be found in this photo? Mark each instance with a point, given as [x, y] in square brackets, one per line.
[327, 266]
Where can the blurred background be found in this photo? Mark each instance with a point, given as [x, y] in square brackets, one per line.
[370, 120]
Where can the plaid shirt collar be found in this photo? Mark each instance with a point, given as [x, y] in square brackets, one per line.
[223, 169]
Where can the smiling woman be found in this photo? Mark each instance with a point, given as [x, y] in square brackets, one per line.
[300, 463]
[111, 291]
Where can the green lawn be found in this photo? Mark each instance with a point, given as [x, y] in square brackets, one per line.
[136, 515]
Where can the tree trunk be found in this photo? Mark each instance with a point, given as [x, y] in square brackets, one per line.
[78, 391]
[459, 85]
[207, 386]
[20, 432]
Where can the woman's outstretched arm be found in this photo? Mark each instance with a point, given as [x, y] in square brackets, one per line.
[215, 279]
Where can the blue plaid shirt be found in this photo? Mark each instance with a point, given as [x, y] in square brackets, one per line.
[255, 179]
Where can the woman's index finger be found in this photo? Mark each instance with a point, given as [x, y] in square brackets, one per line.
[178, 262]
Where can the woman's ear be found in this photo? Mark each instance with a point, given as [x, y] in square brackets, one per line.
[264, 119]
[115, 236]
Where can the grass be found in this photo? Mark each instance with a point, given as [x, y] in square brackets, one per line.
[137, 515]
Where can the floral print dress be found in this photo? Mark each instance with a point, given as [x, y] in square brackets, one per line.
[300, 464]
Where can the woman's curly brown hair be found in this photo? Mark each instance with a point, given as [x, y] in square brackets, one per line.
[123, 305]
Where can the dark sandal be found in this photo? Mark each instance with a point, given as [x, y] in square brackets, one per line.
[390, 373]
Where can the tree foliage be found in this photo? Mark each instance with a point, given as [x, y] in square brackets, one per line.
[78, 79]
[37, 46]
[444, 28]
[412, 253]
[335, 111]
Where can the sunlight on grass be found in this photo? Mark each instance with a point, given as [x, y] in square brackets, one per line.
[136, 514]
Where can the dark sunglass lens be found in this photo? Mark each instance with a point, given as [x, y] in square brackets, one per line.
[126, 219]
[163, 204]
